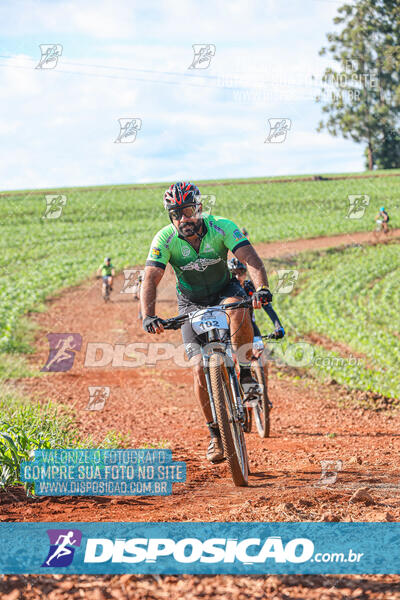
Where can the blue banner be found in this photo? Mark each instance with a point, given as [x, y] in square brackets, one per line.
[200, 548]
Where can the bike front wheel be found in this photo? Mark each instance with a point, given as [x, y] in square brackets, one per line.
[228, 420]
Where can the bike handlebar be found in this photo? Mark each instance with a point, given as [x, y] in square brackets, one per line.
[177, 322]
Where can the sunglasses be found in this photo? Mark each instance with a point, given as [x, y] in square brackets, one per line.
[188, 211]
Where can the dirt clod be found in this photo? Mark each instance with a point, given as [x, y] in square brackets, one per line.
[362, 495]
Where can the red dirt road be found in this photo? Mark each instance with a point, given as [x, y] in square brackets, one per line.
[155, 403]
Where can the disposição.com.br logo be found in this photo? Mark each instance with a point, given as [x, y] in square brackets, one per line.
[63, 543]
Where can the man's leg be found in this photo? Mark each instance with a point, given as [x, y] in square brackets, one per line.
[241, 327]
[215, 452]
[200, 388]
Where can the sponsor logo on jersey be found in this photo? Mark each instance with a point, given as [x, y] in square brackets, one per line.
[237, 234]
[155, 252]
[207, 247]
[214, 226]
[172, 235]
[200, 264]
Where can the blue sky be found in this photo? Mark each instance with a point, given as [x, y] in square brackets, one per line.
[128, 59]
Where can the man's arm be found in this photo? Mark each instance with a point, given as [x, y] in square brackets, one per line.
[151, 279]
[255, 265]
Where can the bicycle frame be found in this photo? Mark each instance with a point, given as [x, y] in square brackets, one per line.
[214, 336]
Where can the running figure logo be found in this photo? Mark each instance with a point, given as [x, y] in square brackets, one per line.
[62, 351]
[286, 281]
[133, 281]
[61, 552]
[50, 55]
[357, 206]
[97, 397]
[208, 202]
[253, 393]
[278, 130]
[54, 206]
[128, 129]
[329, 471]
[203, 54]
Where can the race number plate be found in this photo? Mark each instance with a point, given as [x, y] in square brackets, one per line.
[207, 319]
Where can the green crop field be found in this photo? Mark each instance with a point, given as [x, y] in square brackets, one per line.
[42, 255]
[350, 297]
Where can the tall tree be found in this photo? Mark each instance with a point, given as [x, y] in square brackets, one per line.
[361, 96]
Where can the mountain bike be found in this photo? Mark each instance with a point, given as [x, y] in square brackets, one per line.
[379, 231]
[224, 390]
[262, 407]
[105, 289]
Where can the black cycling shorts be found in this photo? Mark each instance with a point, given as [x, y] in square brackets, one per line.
[232, 290]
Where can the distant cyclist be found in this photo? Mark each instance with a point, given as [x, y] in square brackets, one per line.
[382, 219]
[107, 272]
[196, 246]
[239, 270]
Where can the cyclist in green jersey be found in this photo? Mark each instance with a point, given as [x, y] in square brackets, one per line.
[106, 272]
[196, 246]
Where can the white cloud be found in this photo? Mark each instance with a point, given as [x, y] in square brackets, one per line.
[59, 125]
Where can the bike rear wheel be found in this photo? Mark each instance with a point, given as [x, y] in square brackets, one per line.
[229, 425]
[263, 408]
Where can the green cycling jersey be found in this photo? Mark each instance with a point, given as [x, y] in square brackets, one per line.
[106, 270]
[202, 274]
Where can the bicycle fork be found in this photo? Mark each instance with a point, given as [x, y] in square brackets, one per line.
[232, 380]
